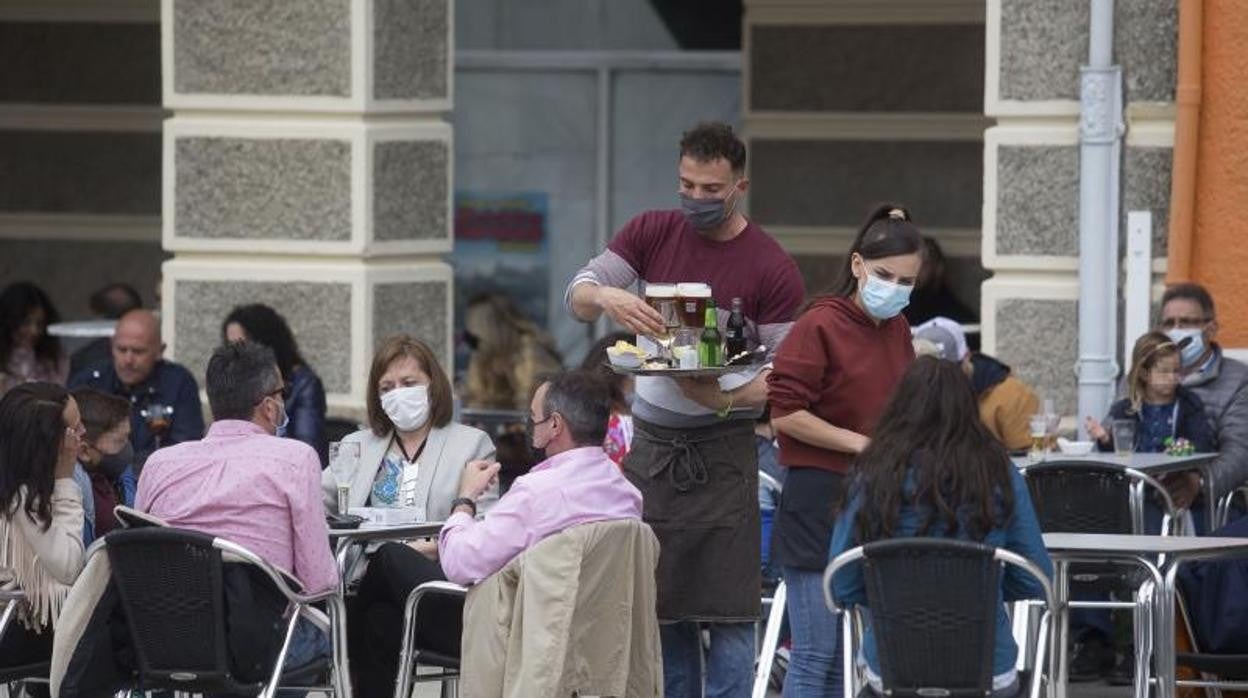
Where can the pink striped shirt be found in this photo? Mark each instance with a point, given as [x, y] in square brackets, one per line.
[573, 487]
[248, 487]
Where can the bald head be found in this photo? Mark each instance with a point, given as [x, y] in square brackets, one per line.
[136, 346]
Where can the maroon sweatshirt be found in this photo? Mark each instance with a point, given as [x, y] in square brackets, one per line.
[839, 365]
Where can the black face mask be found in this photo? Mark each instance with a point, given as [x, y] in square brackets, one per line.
[113, 465]
[471, 340]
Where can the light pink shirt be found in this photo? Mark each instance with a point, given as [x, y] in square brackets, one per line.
[573, 487]
[241, 484]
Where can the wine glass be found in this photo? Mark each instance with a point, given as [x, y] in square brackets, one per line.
[344, 460]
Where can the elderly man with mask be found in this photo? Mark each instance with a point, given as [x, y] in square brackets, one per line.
[1188, 318]
[164, 397]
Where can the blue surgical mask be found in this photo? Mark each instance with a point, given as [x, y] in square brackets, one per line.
[1194, 349]
[883, 299]
[281, 428]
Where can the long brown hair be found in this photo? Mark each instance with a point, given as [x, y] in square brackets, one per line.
[1150, 348]
[440, 396]
[961, 479]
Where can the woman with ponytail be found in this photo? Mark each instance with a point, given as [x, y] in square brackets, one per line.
[833, 376]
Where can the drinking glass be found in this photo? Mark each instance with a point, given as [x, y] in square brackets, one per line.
[1124, 436]
[344, 459]
[1039, 429]
[662, 297]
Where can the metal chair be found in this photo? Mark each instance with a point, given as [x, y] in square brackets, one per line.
[10, 600]
[411, 657]
[935, 638]
[1083, 497]
[1218, 671]
[170, 583]
[771, 639]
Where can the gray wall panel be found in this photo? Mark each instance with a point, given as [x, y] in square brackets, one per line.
[1146, 43]
[80, 63]
[284, 189]
[930, 68]
[418, 309]
[70, 270]
[1039, 339]
[262, 47]
[409, 190]
[79, 172]
[1146, 186]
[1038, 200]
[319, 314]
[1042, 46]
[410, 48]
[834, 183]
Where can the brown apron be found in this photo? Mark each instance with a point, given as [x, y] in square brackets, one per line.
[699, 491]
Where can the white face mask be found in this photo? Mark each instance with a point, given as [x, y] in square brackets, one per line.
[407, 407]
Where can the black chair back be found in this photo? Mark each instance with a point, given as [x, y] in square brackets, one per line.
[172, 594]
[933, 605]
[1081, 498]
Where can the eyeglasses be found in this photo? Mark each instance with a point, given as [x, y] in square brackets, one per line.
[283, 390]
[533, 425]
[1184, 323]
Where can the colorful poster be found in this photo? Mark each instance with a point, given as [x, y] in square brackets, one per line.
[500, 245]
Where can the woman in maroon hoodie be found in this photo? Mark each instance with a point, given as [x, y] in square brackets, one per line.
[833, 375]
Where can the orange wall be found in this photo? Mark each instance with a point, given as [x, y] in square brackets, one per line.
[1220, 239]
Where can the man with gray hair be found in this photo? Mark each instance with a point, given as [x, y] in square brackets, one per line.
[243, 483]
[577, 483]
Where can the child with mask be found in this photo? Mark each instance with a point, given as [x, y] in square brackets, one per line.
[104, 472]
[833, 376]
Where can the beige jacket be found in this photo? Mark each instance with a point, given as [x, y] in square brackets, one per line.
[41, 562]
[574, 614]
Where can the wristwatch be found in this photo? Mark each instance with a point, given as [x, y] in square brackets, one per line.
[464, 501]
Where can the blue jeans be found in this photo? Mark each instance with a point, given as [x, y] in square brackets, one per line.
[307, 645]
[729, 661]
[815, 665]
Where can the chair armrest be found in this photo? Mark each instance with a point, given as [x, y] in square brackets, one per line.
[284, 583]
[848, 557]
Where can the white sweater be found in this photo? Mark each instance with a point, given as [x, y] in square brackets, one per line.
[43, 562]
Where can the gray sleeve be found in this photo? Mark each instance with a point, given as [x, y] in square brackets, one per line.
[1230, 470]
[607, 269]
[771, 335]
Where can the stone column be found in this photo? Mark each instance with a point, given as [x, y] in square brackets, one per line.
[307, 165]
[1031, 171]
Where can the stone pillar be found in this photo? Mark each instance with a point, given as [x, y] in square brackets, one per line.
[307, 165]
[1031, 171]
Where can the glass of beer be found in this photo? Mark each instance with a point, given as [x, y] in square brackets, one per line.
[344, 460]
[1039, 437]
[662, 297]
[693, 299]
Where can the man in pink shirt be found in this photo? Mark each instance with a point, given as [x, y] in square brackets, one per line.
[577, 483]
[246, 485]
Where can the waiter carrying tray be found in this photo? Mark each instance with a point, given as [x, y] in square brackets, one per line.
[693, 454]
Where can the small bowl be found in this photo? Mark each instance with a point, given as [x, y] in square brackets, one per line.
[623, 359]
[1075, 448]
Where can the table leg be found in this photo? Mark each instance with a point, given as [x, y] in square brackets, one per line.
[1211, 499]
[338, 651]
[1061, 590]
[1165, 632]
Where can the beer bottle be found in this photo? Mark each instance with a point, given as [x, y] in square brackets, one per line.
[734, 331]
[710, 348]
